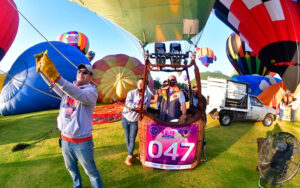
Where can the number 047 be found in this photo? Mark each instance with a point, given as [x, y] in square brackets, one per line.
[171, 151]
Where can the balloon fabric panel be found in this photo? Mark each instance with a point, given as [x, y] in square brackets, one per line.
[270, 28]
[9, 23]
[18, 97]
[244, 62]
[154, 21]
[116, 75]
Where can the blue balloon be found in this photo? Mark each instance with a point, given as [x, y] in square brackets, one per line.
[256, 83]
[28, 92]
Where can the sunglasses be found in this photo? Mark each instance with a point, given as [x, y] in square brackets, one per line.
[172, 80]
[83, 71]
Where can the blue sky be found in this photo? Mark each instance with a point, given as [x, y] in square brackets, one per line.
[54, 17]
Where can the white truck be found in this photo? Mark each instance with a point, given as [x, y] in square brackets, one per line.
[229, 100]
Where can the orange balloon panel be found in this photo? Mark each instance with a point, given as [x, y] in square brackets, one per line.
[115, 76]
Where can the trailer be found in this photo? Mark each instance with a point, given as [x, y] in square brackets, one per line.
[229, 100]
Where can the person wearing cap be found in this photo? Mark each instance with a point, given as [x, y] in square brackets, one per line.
[130, 116]
[75, 122]
[172, 107]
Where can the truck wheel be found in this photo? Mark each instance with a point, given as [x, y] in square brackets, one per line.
[268, 120]
[225, 119]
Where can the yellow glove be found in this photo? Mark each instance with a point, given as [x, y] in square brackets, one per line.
[182, 119]
[46, 66]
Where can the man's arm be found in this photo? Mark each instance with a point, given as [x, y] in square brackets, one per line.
[55, 88]
[87, 96]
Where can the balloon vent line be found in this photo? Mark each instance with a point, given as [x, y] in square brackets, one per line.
[47, 40]
[36, 89]
[41, 34]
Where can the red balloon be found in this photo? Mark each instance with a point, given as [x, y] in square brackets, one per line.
[9, 23]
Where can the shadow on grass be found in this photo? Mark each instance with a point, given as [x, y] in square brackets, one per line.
[48, 172]
[27, 128]
[111, 149]
[220, 138]
[276, 129]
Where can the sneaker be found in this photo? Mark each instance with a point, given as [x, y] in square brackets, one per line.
[128, 160]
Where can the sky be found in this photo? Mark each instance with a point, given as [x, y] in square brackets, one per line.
[54, 17]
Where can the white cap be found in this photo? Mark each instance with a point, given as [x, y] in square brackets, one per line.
[88, 67]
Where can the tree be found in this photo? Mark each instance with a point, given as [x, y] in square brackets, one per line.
[157, 83]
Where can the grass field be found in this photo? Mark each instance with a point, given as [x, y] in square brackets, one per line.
[231, 153]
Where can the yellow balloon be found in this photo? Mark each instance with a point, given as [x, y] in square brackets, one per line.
[115, 76]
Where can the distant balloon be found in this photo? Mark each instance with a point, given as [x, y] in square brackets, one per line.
[116, 75]
[256, 83]
[242, 58]
[271, 28]
[77, 39]
[9, 23]
[206, 56]
[90, 55]
[18, 96]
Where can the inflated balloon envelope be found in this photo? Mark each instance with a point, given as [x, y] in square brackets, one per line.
[271, 28]
[25, 91]
[154, 20]
[9, 23]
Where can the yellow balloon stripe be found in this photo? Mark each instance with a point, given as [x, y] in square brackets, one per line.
[234, 56]
[116, 82]
[98, 73]
[111, 61]
[131, 64]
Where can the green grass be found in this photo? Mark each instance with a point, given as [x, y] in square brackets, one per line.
[231, 153]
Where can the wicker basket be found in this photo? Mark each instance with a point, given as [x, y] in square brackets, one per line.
[194, 117]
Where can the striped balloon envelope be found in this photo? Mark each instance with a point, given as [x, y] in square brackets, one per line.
[206, 56]
[242, 58]
[77, 39]
[9, 23]
[116, 75]
[271, 28]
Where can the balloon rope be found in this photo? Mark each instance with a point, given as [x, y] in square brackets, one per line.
[41, 34]
[30, 85]
[47, 39]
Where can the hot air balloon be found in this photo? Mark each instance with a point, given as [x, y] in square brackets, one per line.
[271, 30]
[25, 91]
[77, 39]
[154, 21]
[116, 75]
[256, 83]
[90, 55]
[242, 58]
[9, 23]
[206, 56]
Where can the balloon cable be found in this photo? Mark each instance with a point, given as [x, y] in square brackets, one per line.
[41, 34]
[30, 86]
[46, 39]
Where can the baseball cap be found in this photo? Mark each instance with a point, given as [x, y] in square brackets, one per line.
[88, 67]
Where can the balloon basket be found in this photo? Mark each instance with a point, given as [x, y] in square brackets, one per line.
[171, 146]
